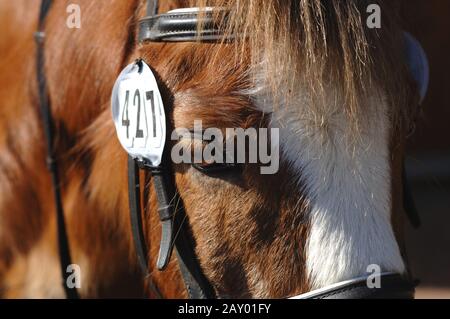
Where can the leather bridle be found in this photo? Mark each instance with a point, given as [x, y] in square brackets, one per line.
[175, 26]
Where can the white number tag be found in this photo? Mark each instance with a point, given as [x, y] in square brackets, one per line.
[138, 113]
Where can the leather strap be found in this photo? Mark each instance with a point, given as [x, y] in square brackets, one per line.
[393, 286]
[172, 216]
[137, 229]
[166, 210]
[197, 285]
[65, 259]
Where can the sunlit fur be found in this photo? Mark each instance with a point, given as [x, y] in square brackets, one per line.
[251, 232]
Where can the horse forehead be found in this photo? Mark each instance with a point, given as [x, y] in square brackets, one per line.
[228, 111]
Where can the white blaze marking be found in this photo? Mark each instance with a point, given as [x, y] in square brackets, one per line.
[347, 182]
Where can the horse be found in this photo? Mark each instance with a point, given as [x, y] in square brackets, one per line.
[338, 92]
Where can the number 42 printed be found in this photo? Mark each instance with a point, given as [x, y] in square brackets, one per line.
[135, 118]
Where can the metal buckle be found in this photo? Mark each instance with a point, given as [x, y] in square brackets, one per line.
[145, 165]
[39, 37]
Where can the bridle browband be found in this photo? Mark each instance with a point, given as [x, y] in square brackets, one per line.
[180, 26]
[174, 26]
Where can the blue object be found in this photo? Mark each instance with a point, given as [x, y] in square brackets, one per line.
[417, 61]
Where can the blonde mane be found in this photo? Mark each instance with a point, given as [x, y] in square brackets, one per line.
[318, 42]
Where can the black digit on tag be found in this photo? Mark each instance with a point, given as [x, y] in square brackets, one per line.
[139, 132]
[151, 98]
[125, 118]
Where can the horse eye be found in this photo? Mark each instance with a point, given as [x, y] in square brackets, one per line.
[218, 168]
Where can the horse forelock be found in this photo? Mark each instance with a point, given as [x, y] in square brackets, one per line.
[316, 43]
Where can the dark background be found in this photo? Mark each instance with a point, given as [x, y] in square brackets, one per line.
[428, 162]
